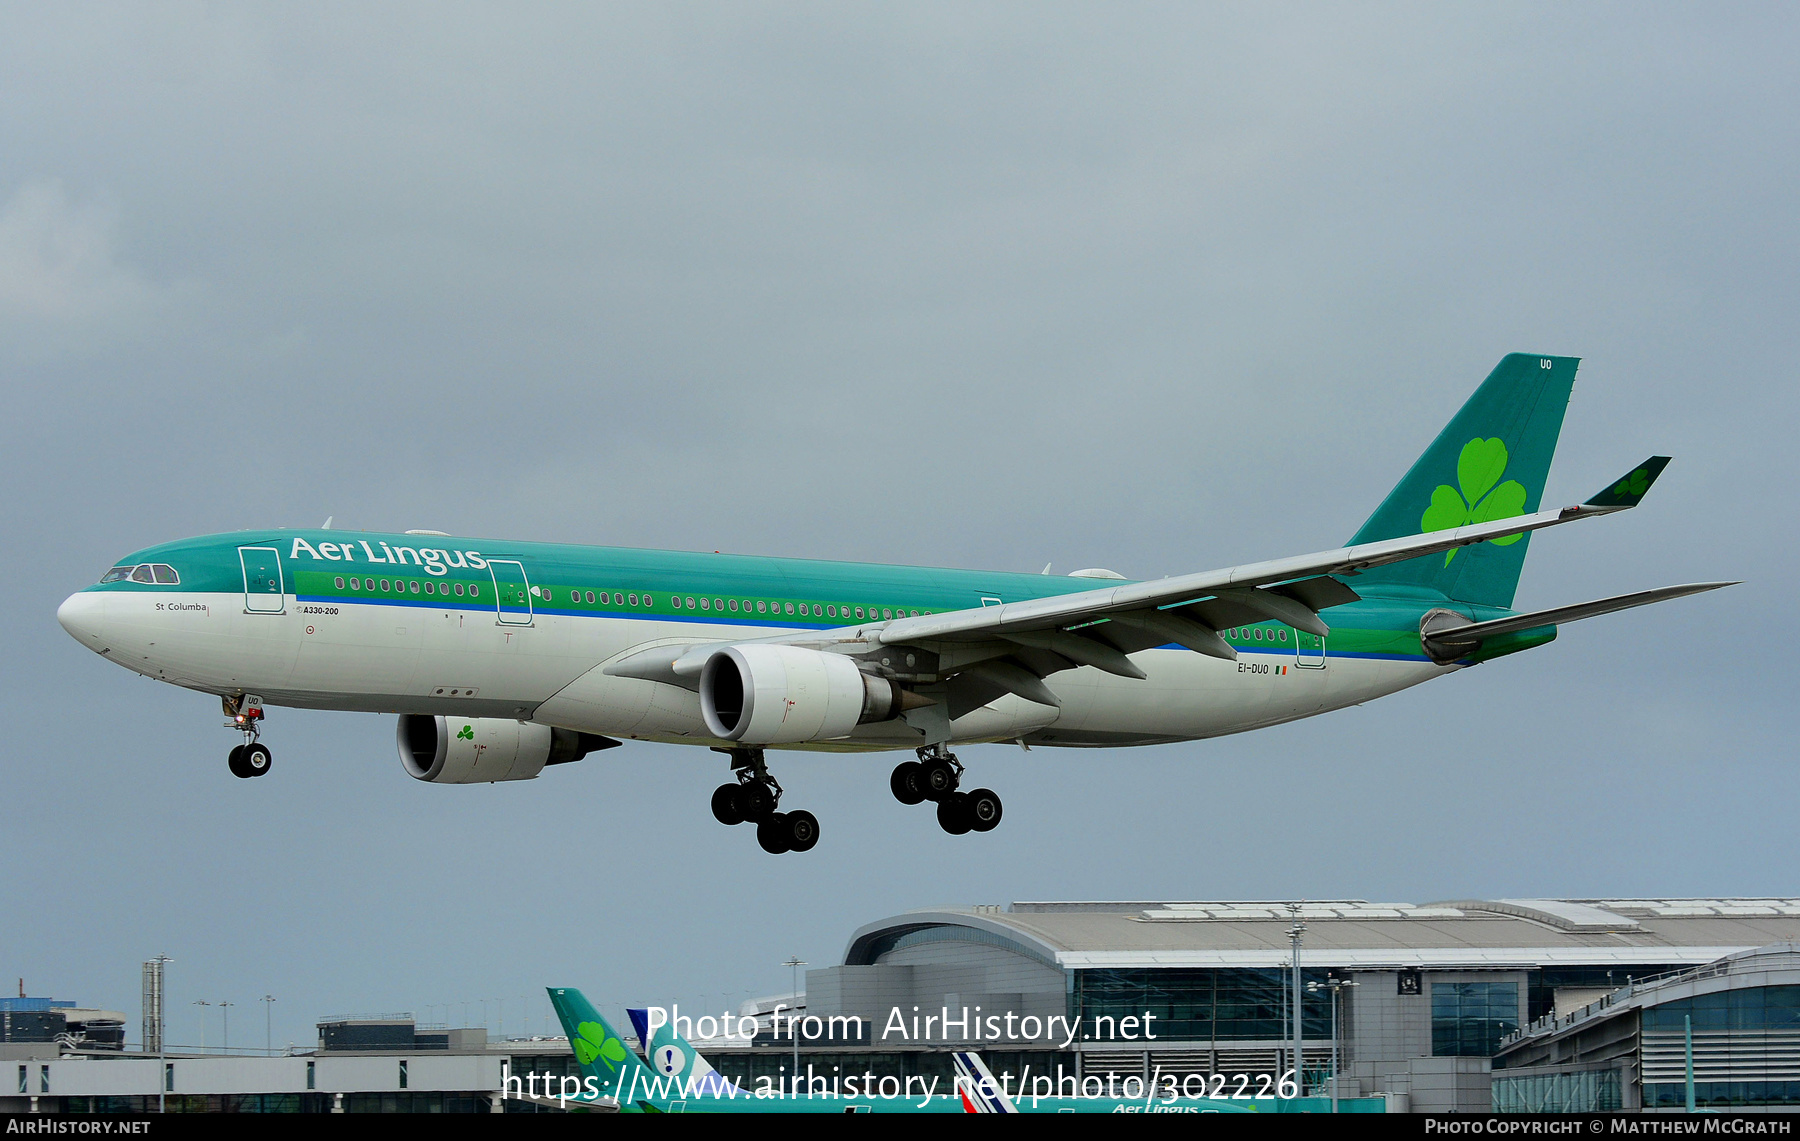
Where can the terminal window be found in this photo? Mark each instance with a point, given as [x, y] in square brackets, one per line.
[1762, 1008]
[1469, 1019]
[1201, 1004]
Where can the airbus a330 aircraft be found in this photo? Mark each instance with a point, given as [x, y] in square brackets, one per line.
[502, 657]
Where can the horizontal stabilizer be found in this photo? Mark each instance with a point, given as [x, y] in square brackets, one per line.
[1449, 642]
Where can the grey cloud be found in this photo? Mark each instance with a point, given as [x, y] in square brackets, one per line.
[1153, 287]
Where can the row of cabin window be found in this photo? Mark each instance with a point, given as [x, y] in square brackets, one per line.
[609, 598]
[1256, 633]
[605, 597]
[402, 586]
[474, 591]
[804, 609]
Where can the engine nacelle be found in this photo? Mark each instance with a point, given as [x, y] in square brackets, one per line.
[780, 695]
[481, 750]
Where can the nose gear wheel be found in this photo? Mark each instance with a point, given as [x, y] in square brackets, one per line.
[252, 758]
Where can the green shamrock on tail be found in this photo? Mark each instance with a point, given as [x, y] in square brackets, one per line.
[1478, 469]
[592, 1041]
[467, 734]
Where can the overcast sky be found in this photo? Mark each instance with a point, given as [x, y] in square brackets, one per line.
[1152, 287]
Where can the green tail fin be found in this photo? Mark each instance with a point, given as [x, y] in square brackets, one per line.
[606, 1062]
[1488, 463]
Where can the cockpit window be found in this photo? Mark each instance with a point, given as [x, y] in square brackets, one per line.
[161, 574]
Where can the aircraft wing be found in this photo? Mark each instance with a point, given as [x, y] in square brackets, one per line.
[1290, 590]
[1189, 609]
[1012, 647]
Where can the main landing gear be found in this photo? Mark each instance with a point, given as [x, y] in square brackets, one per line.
[754, 799]
[250, 759]
[935, 776]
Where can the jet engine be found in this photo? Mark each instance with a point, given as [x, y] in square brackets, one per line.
[775, 695]
[481, 750]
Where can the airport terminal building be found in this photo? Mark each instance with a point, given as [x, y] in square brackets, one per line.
[1526, 1005]
[1426, 993]
[1727, 1034]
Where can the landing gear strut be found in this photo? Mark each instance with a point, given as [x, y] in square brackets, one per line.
[250, 759]
[936, 776]
[755, 798]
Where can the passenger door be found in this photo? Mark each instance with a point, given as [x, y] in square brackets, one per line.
[1309, 651]
[264, 590]
[512, 592]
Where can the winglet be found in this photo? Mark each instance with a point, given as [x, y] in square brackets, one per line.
[1630, 491]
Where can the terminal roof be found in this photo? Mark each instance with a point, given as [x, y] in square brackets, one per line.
[1355, 933]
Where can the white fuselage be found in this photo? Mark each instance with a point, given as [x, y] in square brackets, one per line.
[461, 662]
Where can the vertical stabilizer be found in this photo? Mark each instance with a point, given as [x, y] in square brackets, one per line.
[1489, 463]
[672, 1056]
[607, 1064]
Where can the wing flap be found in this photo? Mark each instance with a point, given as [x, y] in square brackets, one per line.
[1016, 679]
[1182, 631]
[1319, 593]
[1084, 651]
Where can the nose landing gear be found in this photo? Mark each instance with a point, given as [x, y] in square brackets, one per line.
[252, 758]
[755, 798]
[935, 776]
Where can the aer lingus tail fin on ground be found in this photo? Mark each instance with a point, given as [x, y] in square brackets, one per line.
[1488, 463]
[607, 1064]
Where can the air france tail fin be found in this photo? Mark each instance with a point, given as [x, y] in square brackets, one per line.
[609, 1068]
[674, 1057]
[976, 1085]
[1488, 463]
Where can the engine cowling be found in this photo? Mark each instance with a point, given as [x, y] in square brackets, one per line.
[780, 695]
[482, 750]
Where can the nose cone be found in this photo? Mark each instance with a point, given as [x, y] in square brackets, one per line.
[83, 615]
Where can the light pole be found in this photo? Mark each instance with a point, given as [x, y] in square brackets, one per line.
[1334, 985]
[162, 1066]
[202, 1002]
[268, 1001]
[794, 963]
[1294, 934]
[225, 1015]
